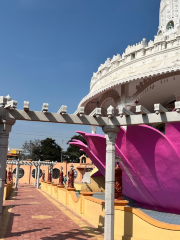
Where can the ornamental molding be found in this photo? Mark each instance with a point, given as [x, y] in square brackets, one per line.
[150, 74]
[134, 64]
[148, 83]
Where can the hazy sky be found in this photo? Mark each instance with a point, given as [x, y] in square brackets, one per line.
[49, 50]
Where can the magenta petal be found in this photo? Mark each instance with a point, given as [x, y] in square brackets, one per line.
[91, 155]
[173, 134]
[150, 163]
[156, 163]
[97, 144]
[133, 187]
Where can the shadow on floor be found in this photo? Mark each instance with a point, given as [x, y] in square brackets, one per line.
[9, 234]
[75, 234]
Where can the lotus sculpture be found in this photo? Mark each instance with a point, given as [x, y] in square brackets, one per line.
[150, 162]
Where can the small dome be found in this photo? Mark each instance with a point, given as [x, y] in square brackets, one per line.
[8, 98]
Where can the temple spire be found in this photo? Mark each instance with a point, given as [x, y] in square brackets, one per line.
[169, 17]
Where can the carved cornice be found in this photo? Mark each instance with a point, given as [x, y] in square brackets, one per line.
[133, 65]
[148, 82]
[155, 75]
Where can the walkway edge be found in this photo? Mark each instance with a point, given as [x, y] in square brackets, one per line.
[73, 217]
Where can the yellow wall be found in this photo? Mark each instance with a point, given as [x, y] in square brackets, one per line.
[130, 223]
[7, 189]
[97, 184]
[62, 195]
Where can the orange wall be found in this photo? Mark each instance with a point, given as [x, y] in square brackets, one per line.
[27, 178]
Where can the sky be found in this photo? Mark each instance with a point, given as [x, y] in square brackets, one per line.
[49, 50]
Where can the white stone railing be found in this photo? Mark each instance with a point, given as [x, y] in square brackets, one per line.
[135, 53]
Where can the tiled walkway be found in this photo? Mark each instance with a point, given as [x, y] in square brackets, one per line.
[29, 214]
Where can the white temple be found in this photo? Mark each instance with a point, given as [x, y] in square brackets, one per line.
[146, 73]
[169, 16]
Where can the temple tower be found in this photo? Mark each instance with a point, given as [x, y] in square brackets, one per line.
[169, 17]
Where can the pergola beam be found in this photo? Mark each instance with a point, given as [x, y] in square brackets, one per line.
[52, 117]
[142, 110]
[96, 113]
[111, 126]
[79, 112]
[159, 108]
[136, 119]
[123, 111]
[151, 118]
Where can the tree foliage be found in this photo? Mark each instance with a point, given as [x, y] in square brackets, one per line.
[73, 153]
[42, 150]
[31, 150]
[48, 149]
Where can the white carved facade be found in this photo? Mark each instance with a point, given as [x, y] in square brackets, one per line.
[145, 73]
[169, 11]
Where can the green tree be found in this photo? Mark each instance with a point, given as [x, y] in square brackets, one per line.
[31, 150]
[73, 153]
[50, 150]
[46, 149]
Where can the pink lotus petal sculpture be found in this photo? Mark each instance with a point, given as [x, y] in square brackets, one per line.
[150, 161]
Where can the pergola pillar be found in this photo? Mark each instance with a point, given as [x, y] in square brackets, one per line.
[35, 179]
[5, 128]
[17, 173]
[110, 134]
[93, 129]
[38, 173]
[51, 170]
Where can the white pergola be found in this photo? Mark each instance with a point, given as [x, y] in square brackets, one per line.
[110, 126]
[37, 165]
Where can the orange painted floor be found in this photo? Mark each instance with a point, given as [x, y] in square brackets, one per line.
[29, 214]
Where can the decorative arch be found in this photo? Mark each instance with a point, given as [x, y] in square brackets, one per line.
[170, 25]
[109, 94]
[148, 82]
[160, 32]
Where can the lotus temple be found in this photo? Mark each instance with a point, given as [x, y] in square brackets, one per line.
[146, 73]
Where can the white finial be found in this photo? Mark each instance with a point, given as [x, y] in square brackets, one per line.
[8, 98]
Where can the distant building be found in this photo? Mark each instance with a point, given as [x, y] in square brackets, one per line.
[13, 153]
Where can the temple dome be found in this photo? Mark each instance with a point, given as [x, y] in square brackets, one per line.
[144, 67]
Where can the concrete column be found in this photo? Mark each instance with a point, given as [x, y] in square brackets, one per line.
[35, 176]
[38, 172]
[93, 129]
[5, 128]
[110, 134]
[17, 173]
[51, 169]
[65, 167]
